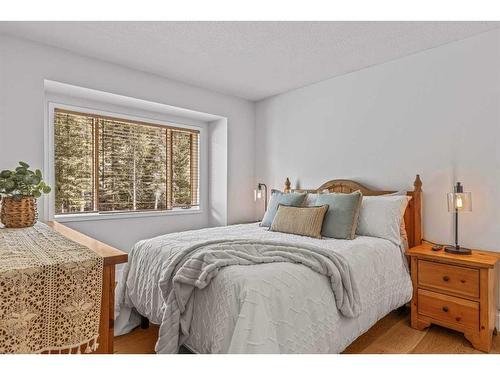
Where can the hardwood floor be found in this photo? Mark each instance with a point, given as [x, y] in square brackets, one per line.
[392, 334]
[139, 341]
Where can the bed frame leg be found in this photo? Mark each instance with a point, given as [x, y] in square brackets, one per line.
[144, 322]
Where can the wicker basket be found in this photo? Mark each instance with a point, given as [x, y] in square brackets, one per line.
[20, 213]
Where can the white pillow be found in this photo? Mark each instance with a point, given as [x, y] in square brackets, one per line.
[310, 200]
[381, 216]
[403, 233]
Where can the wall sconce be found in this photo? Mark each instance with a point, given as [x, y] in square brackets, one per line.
[458, 201]
[257, 193]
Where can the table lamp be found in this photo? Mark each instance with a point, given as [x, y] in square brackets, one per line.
[257, 194]
[458, 201]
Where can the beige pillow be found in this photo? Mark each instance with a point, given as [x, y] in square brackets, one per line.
[304, 221]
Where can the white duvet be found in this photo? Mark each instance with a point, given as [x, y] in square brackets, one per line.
[267, 308]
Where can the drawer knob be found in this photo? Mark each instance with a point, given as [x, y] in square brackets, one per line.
[446, 278]
[458, 319]
[445, 308]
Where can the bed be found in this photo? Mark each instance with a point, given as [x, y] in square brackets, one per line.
[268, 307]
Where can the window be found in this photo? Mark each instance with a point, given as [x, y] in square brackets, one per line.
[105, 164]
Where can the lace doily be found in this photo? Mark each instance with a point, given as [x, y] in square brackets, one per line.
[50, 292]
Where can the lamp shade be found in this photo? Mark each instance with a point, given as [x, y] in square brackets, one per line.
[459, 200]
[257, 193]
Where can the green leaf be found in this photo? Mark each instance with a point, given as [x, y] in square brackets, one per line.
[23, 164]
[34, 180]
[21, 170]
[9, 184]
[46, 189]
[5, 174]
[38, 172]
[37, 194]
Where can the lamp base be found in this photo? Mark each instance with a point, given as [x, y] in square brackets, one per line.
[457, 250]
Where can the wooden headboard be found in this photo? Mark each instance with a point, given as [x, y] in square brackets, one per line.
[413, 214]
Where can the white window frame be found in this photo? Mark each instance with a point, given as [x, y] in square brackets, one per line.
[50, 170]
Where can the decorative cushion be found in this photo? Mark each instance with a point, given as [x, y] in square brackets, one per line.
[304, 221]
[277, 198]
[381, 216]
[342, 216]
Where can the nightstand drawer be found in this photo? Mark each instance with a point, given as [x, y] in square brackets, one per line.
[448, 309]
[462, 280]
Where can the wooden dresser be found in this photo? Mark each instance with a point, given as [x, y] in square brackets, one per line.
[455, 291]
[112, 257]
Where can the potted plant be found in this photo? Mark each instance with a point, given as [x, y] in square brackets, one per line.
[19, 189]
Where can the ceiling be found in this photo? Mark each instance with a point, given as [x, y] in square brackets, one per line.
[252, 60]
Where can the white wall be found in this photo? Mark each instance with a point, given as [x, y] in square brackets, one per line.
[25, 65]
[217, 173]
[436, 113]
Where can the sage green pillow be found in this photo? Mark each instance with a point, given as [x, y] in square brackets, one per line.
[277, 198]
[341, 219]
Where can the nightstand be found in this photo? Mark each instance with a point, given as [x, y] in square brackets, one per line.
[455, 291]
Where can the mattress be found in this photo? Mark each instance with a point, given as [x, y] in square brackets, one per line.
[267, 308]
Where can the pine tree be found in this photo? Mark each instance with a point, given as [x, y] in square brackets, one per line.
[181, 168]
[73, 163]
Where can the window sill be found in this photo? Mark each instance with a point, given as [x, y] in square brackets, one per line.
[125, 215]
